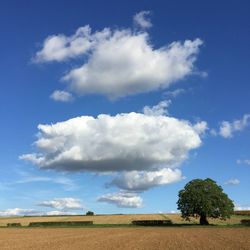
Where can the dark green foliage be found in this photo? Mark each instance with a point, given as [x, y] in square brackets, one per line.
[60, 223]
[90, 213]
[14, 225]
[151, 222]
[245, 222]
[204, 198]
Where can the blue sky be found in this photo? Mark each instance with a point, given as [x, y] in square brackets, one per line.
[181, 67]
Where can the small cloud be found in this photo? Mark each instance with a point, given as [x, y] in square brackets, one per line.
[19, 212]
[63, 203]
[227, 129]
[58, 212]
[61, 96]
[174, 93]
[232, 182]
[157, 110]
[142, 20]
[144, 180]
[213, 132]
[247, 162]
[173, 212]
[201, 127]
[241, 207]
[122, 199]
[31, 212]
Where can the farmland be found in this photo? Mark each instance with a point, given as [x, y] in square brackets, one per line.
[118, 219]
[113, 232]
[125, 238]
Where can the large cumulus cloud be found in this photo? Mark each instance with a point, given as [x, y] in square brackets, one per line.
[125, 142]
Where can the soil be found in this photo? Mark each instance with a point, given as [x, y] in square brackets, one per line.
[124, 238]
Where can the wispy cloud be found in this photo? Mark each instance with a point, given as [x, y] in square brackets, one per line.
[238, 207]
[227, 129]
[174, 93]
[246, 161]
[26, 177]
[65, 204]
[31, 212]
[19, 212]
[233, 181]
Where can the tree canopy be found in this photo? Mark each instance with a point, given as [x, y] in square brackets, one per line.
[204, 198]
[90, 213]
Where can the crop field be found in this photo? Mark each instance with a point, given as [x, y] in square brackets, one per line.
[97, 219]
[117, 219]
[124, 238]
[107, 237]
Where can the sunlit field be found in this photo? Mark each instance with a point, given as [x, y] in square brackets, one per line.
[125, 238]
[119, 219]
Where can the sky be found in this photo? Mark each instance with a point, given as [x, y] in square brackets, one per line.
[113, 106]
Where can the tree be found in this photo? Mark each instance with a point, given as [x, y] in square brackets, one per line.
[90, 213]
[204, 198]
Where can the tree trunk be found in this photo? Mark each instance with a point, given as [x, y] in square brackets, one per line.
[203, 220]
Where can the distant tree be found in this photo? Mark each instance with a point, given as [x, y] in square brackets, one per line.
[90, 213]
[204, 199]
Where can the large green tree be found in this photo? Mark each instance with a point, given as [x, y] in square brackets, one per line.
[204, 198]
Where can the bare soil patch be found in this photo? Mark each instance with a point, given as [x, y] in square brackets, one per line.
[124, 238]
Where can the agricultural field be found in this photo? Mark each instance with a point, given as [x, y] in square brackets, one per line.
[97, 219]
[118, 219]
[124, 238]
[105, 236]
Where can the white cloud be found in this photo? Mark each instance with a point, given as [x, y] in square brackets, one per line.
[61, 96]
[174, 93]
[63, 203]
[141, 181]
[227, 129]
[19, 212]
[122, 199]
[213, 132]
[60, 47]
[126, 64]
[159, 109]
[31, 212]
[241, 208]
[58, 212]
[124, 142]
[120, 62]
[201, 127]
[232, 182]
[247, 162]
[142, 20]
